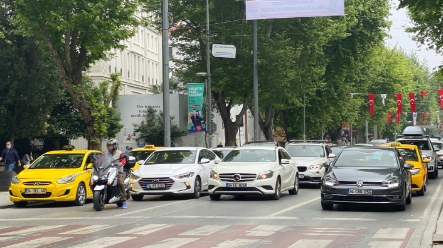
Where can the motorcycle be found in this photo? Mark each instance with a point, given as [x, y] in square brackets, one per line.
[104, 180]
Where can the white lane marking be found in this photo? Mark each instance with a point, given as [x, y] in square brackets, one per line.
[434, 197]
[311, 243]
[391, 233]
[3, 239]
[328, 234]
[145, 209]
[88, 229]
[385, 244]
[329, 231]
[237, 243]
[103, 242]
[294, 207]
[411, 220]
[205, 230]
[143, 230]
[265, 230]
[233, 217]
[333, 228]
[32, 230]
[340, 219]
[172, 243]
[40, 242]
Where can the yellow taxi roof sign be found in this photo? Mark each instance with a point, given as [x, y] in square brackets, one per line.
[68, 147]
[395, 144]
[149, 147]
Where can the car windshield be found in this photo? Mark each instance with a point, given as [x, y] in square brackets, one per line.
[376, 142]
[367, 158]
[422, 144]
[58, 161]
[250, 155]
[221, 153]
[305, 151]
[336, 149]
[140, 155]
[437, 145]
[172, 157]
[408, 154]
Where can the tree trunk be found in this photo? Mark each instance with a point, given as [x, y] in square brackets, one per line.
[267, 125]
[333, 133]
[285, 125]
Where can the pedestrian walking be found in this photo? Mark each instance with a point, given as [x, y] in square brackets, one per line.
[220, 144]
[127, 150]
[27, 158]
[172, 144]
[10, 156]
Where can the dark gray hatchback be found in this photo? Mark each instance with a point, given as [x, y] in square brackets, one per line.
[367, 175]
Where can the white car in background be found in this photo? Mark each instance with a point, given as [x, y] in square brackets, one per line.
[310, 158]
[178, 170]
[254, 170]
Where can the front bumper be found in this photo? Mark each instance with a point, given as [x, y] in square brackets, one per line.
[54, 192]
[418, 181]
[178, 186]
[256, 187]
[380, 195]
[311, 176]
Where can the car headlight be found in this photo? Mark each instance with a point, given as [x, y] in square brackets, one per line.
[265, 175]
[330, 181]
[67, 179]
[95, 178]
[134, 177]
[15, 180]
[184, 175]
[392, 183]
[415, 171]
[316, 167]
[214, 175]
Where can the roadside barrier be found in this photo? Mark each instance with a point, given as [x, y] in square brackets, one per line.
[5, 179]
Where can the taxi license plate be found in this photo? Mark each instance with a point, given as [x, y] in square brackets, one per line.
[359, 191]
[156, 186]
[301, 176]
[35, 191]
[236, 185]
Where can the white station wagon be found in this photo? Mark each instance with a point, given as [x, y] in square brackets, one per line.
[255, 170]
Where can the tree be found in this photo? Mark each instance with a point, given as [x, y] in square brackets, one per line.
[76, 33]
[152, 131]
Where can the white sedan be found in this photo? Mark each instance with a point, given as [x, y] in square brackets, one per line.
[169, 171]
[255, 170]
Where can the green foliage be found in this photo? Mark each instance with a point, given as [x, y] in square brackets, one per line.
[151, 130]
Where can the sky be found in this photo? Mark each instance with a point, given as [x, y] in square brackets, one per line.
[400, 38]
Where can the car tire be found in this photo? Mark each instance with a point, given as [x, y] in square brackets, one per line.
[277, 192]
[137, 197]
[294, 191]
[197, 189]
[409, 198]
[402, 207]
[80, 197]
[436, 172]
[21, 204]
[421, 192]
[215, 197]
[327, 206]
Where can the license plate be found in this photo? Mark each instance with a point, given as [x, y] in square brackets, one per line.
[359, 191]
[156, 186]
[35, 191]
[301, 176]
[236, 185]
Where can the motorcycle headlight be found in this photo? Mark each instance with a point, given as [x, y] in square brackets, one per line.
[316, 167]
[391, 183]
[184, 175]
[214, 175]
[265, 175]
[67, 179]
[15, 180]
[134, 177]
[415, 171]
[330, 181]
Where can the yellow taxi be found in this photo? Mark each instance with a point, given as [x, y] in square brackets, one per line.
[141, 154]
[412, 155]
[55, 176]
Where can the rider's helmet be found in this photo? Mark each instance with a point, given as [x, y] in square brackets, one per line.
[113, 143]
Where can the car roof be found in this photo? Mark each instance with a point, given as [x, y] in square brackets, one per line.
[72, 152]
[223, 148]
[180, 148]
[257, 147]
[306, 144]
[369, 148]
[145, 149]
[399, 146]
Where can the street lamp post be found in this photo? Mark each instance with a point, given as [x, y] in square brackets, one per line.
[208, 71]
[165, 47]
[208, 106]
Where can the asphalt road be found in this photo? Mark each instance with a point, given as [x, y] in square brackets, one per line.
[293, 221]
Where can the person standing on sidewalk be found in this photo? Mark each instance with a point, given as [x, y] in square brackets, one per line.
[10, 156]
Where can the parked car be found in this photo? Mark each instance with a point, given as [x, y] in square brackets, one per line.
[221, 152]
[254, 170]
[262, 143]
[438, 145]
[141, 154]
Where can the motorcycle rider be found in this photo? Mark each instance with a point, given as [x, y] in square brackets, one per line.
[112, 146]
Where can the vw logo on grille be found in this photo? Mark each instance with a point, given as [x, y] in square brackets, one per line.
[359, 183]
[36, 183]
[237, 177]
[155, 180]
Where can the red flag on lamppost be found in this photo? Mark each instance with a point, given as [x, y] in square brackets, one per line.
[371, 104]
[389, 118]
[423, 93]
[423, 116]
[440, 95]
[412, 102]
[397, 118]
[398, 103]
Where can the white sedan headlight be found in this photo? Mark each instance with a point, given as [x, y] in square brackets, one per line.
[265, 175]
[316, 167]
[67, 179]
[184, 175]
[15, 180]
[214, 175]
[134, 177]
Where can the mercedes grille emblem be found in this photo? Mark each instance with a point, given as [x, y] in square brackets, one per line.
[360, 183]
[237, 177]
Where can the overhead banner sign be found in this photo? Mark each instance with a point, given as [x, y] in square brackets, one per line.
[196, 122]
[224, 51]
[275, 9]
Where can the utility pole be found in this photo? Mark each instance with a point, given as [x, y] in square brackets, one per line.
[366, 132]
[255, 81]
[165, 47]
[351, 133]
[304, 119]
[208, 73]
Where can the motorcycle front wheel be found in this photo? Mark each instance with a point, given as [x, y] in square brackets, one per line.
[99, 201]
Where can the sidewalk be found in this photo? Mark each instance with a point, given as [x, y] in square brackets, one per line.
[4, 199]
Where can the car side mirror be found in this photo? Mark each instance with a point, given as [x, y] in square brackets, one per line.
[140, 162]
[408, 166]
[285, 161]
[436, 150]
[327, 164]
[332, 155]
[426, 160]
[217, 161]
[89, 166]
[205, 161]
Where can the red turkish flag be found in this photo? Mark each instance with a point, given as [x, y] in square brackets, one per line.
[397, 118]
[427, 123]
[423, 116]
[423, 93]
[412, 102]
[389, 118]
[440, 95]
[398, 103]
[371, 104]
